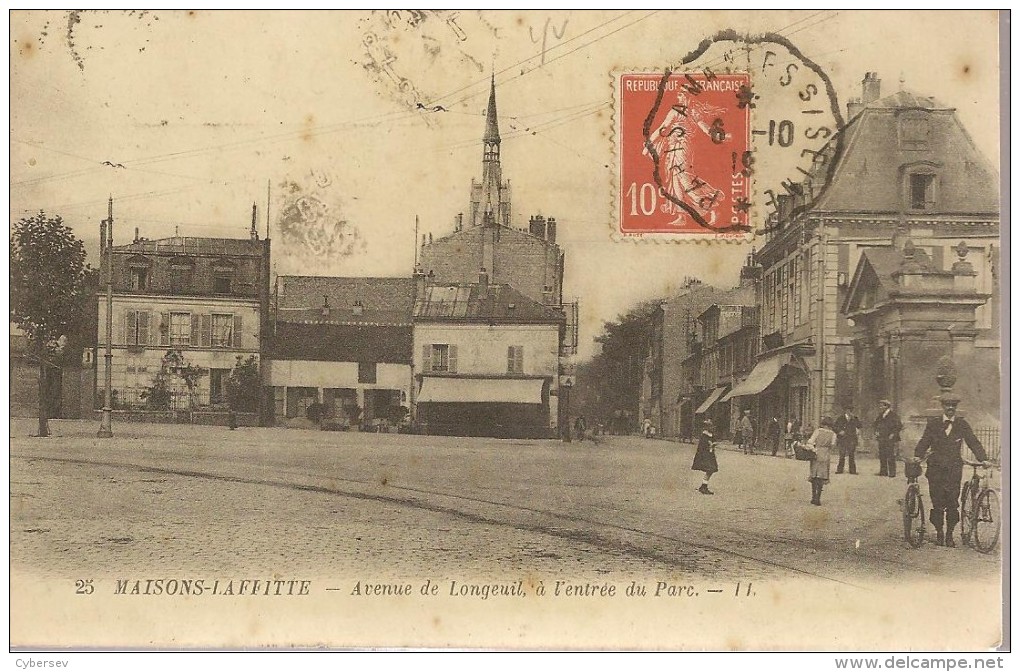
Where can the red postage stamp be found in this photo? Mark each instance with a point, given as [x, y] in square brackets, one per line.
[684, 152]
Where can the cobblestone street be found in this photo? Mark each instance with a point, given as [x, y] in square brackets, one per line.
[165, 500]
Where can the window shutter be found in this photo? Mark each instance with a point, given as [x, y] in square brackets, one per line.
[206, 331]
[129, 328]
[453, 359]
[426, 357]
[510, 359]
[519, 359]
[143, 327]
[164, 329]
[196, 331]
[237, 331]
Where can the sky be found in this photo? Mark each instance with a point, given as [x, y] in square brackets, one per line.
[187, 118]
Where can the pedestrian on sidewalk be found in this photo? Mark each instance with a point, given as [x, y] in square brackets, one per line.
[821, 442]
[792, 436]
[774, 434]
[887, 431]
[580, 426]
[746, 428]
[847, 428]
[704, 458]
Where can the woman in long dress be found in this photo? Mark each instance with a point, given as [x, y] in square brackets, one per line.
[821, 443]
[704, 459]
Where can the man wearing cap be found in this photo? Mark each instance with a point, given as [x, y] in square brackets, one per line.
[887, 430]
[847, 427]
[943, 440]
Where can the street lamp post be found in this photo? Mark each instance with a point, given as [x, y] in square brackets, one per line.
[106, 243]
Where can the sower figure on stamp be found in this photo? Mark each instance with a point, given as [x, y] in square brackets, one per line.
[672, 143]
[704, 458]
[943, 441]
[847, 428]
[887, 431]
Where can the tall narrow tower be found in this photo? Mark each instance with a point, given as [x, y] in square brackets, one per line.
[490, 199]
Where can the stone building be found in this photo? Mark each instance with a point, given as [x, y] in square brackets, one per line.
[486, 361]
[672, 390]
[909, 311]
[906, 165]
[203, 299]
[344, 343]
[529, 259]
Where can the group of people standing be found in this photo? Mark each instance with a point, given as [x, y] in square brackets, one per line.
[841, 433]
[941, 445]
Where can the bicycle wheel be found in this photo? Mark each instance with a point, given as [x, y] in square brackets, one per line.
[986, 522]
[913, 516]
[967, 513]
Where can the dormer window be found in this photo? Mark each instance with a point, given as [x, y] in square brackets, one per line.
[139, 273]
[921, 191]
[223, 277]
[180, 276]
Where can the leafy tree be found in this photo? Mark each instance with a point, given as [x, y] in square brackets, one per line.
[49, 291]
[609, 385]
[244, 385]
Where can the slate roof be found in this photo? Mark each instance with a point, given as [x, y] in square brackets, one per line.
[482, 302]
[238, 247]
[869, 175]
[384, 300]
[341, 343]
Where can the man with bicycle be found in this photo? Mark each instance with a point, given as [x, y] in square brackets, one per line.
[943, 441]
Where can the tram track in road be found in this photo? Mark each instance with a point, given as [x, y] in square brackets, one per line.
[567, 527]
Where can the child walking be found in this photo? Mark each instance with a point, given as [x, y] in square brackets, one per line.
[704, 459]
[820, 443]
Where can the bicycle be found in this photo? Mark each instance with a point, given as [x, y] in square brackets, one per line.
[914, 529]
[979, 511]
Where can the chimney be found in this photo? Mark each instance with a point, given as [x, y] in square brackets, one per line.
[854, 106]
[136, 234]
[325, 306]
[483, 278]
[536, 226]
[460, 222]
[750, 271]
[550, 230]
[419, 283]
[871, 88]
[359, 308]
[784, 206]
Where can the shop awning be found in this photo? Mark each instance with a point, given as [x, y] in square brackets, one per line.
[711, 399]
[481, 390]
[761, 376]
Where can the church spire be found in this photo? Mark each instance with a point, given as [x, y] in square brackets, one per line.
[491, 124]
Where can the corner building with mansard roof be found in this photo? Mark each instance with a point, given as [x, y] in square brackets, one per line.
[908, 171]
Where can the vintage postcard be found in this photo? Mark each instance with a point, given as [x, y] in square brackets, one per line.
[635, 329]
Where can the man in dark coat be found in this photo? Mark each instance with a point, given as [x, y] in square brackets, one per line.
[943, 440]
[887, 431]
[847, 427]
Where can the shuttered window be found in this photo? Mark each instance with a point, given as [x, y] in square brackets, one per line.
[515, 359]
[180, 329]
[222, 331]
[136, 327]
